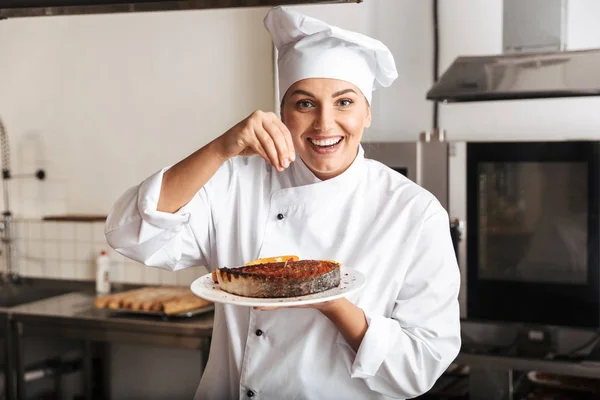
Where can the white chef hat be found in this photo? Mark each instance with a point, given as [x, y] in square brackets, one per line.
[310, 48]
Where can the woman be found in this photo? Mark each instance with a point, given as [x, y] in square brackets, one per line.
[309, 192]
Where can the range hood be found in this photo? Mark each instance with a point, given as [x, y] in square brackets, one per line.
[33, 8]
[534, 62]
[520, 76]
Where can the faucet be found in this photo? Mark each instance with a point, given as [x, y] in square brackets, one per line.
[10, 275]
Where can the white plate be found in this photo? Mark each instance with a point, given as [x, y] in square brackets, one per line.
[351, 282]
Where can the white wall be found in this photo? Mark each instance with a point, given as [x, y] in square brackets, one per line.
[103, 101]
[401, 111]
[471, 27]
[583, 29]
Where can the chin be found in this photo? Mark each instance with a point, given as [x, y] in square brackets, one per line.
[328, 172]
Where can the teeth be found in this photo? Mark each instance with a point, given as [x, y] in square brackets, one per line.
[325, 142]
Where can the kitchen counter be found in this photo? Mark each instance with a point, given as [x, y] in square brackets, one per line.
[73, 316]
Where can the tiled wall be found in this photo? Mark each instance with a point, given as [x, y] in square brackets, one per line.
[68, 250]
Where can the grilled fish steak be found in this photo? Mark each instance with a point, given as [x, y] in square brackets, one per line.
[280, 279]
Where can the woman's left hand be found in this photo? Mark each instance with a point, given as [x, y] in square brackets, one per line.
[349, 319]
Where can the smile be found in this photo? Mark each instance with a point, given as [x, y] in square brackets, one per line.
[325, 142]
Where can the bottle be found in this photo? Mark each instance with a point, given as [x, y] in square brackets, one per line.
[103, 273]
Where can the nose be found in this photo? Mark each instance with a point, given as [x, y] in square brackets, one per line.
[324, 119]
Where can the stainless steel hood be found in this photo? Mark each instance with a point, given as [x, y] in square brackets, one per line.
[520, 76]
[33, 8]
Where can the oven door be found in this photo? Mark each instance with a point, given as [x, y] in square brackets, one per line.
[533, 232]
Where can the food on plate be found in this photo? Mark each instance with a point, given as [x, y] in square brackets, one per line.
[280, 279]
[265, 260]
[273, 260]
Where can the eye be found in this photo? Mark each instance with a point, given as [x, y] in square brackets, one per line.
[345, 102]
[303, 104]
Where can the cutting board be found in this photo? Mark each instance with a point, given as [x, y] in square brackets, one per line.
[164, 299]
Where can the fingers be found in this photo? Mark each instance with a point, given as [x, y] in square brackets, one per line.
[271, 139]
[267, 145]
[266, 308]
[283, 140]
[283, 157]
[288, 138]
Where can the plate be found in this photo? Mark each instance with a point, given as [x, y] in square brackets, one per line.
[351, 282]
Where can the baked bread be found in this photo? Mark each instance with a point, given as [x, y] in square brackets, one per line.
[167, 300]
[280, 279]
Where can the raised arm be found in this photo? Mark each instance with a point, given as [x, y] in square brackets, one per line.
[261, 133]
[150, 223]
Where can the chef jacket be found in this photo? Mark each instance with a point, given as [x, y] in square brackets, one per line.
[369, 218]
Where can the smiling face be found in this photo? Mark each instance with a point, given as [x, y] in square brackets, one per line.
[326, 118]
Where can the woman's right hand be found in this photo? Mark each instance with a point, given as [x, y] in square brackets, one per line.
[262, 133]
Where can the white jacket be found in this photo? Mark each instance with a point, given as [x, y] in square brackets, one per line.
[370, 218]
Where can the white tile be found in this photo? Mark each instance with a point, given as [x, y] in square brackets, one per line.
[34, 268]
[112, 254]
[133, 272]
[99, 248]
[51, 250]
[66, 250]
[67, 270]
[83, 251]
[19, 248]
[167, 277]
[56, 189]
[117, 272]
[35, 229]
[50, 231]
[51, 268]
[30, 208]
[84, 271]
[29, 190]
[53, 207]
[35, 249]
[83, 232]
[19, 229]
[151, 276]
[67, 231]
[98, 232]
[186, 276]
[22, 265]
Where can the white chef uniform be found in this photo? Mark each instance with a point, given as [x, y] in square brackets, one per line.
[369, 218]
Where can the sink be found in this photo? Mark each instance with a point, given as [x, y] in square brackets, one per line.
[16, 295]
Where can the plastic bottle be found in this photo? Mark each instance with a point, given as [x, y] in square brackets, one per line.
[103, 273]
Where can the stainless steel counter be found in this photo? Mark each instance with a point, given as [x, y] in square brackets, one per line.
[73, 316]
[498, 362]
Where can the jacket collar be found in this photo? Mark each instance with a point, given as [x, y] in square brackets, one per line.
[301, 176]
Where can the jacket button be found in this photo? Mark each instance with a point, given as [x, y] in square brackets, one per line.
[250, 393]
[258, 332]
[280, 217]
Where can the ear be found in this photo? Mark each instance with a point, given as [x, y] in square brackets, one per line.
[367, 121]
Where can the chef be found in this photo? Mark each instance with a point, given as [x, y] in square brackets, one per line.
[301, 185]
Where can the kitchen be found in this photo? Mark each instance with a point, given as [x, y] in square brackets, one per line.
[90, 98]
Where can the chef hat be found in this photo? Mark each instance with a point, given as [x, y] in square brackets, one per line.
[310, 48]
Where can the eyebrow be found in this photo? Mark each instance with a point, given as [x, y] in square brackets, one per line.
[336, 94]
[341, 92]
